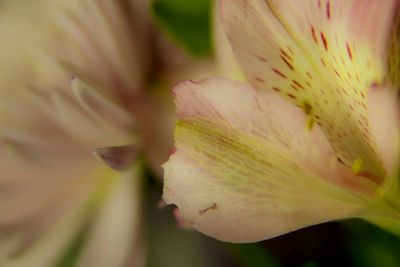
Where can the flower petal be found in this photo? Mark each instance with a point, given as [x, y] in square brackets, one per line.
[60, 230]
[226, 61]
[384, 118]
[246, 168]
[120, 60]
[108, 211]
[116, 234]
[321, 55]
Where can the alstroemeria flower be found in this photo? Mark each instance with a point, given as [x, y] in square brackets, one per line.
[73, 79]
[313, 137]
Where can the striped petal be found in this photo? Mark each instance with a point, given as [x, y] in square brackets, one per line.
[247, 169]
[323, 56]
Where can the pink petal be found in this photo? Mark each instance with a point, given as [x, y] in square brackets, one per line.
[247, 168]
[322, 56]
[384, 118]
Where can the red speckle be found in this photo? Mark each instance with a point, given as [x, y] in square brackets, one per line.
[261, 58]
[279, 73]
[298, 84]
[324, 41]
[349, 52]
[285, 54]
[328, 9]
[314, 35]
[258, 79]
[287, 62]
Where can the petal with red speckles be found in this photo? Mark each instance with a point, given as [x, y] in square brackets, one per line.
[323, 56]
[247, 169]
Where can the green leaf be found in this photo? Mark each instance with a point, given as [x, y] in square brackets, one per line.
[187, 22]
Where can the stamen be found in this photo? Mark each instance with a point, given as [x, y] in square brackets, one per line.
[310, 123]
[306, 106]
[357, 165]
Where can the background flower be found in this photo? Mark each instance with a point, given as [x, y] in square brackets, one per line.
[72, 84]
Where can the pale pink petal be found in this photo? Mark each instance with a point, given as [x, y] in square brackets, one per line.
[226, 61]
[248, 168]
[321, 55]
[384, 118]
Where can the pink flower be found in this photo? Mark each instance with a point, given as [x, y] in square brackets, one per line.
[312, 137]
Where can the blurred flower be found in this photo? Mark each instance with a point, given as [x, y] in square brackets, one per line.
[73, 80]
[305, 141]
